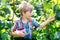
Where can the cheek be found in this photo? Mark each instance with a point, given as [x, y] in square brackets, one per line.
[29, 14]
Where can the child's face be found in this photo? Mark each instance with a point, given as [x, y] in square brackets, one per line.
[27, 14]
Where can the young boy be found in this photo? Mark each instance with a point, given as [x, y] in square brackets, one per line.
[23, 27]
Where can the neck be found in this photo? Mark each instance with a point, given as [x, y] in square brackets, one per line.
[24, 19]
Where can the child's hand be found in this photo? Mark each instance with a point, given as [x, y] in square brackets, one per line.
[51, 18]
[20, 33]
[47, 21]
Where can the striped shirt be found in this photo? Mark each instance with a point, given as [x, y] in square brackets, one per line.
[25, 27]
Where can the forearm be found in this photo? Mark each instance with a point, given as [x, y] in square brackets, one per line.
[44, 23]
[18, 34]
[14, 34]
[47, 21]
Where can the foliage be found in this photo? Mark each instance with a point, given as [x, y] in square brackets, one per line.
[43, 9]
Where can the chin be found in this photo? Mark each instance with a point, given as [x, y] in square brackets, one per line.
[28, 17]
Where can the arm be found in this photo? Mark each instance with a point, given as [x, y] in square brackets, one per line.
[16, 33]
[47, 21]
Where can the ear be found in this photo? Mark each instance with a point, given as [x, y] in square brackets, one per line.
[22, 13]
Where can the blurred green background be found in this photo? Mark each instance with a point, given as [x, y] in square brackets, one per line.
[43, 9]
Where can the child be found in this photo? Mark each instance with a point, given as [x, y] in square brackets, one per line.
[23, 27]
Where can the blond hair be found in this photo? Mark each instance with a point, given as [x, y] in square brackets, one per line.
[25, 6]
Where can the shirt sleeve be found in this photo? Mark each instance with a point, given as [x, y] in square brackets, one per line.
[14, 27]
[35, 23]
